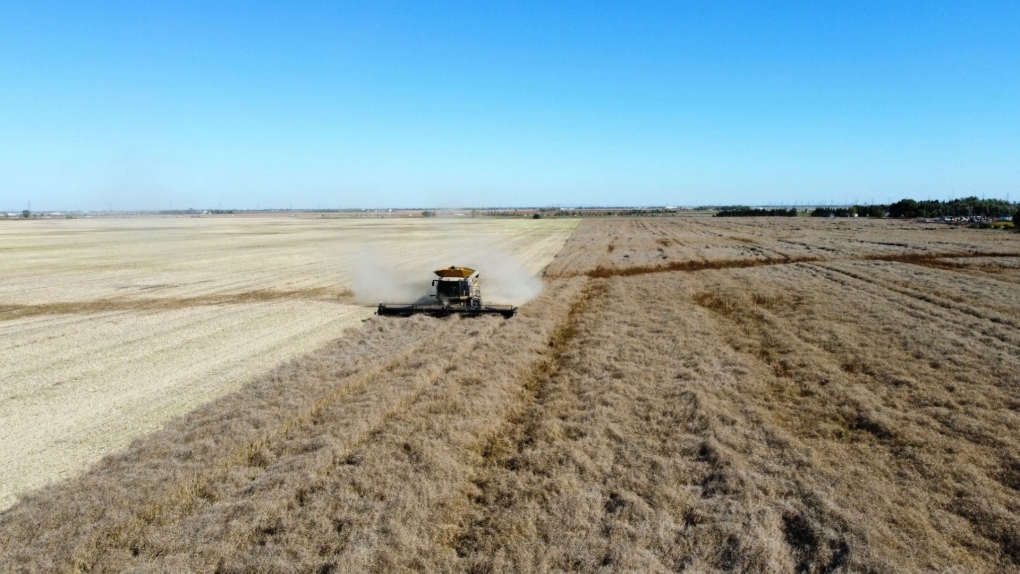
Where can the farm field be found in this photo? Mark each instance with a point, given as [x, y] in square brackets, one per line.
[685, 394]
[111, 327]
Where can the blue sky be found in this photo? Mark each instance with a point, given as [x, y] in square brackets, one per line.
[144, 105]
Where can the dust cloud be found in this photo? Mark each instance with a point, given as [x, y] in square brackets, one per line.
[387, 274]
[376, 278]
[503, 278]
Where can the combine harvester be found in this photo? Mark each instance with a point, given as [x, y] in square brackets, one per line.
[457, 293]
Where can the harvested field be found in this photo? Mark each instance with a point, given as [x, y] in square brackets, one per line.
[789, 396]
[110, 328]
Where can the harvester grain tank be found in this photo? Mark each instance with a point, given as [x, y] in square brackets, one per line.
[457, 292]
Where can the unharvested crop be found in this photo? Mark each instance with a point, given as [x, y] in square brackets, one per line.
[847, 404]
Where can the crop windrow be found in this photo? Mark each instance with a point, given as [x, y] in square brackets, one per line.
[112, 304]
[602, 272]
[926, 259]
[500, 451]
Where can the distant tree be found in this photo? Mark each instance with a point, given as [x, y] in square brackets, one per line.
[26, 213]
[1016, 220]
[833, 212]
[536, 216]
[904, 208]
[871, 210]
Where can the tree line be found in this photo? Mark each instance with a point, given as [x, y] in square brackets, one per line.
[859, 210]
[908, 208]
[905, 208]
[963, 207]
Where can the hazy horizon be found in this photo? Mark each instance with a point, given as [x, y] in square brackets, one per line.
[440, 211]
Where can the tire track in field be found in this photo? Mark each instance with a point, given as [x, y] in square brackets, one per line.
[966, 427]
[992, 272]
[852, 356]
[817, 536]
[800, 362]
[918, 308]
[933, 301]
[903, 442]
[942, 278]
[782, 345]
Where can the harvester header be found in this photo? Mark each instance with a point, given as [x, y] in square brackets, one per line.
[456, 292]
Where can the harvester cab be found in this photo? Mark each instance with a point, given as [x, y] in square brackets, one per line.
[456, 292]
[457, 287]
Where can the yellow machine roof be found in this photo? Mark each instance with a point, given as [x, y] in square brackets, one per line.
[459, 272]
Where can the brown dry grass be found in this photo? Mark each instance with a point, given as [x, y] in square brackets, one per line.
[850, 411]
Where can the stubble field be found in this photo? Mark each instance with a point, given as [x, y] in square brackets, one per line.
[684, 395]
[111, 327]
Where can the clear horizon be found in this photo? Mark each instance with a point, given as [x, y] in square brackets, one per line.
[158, 105]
